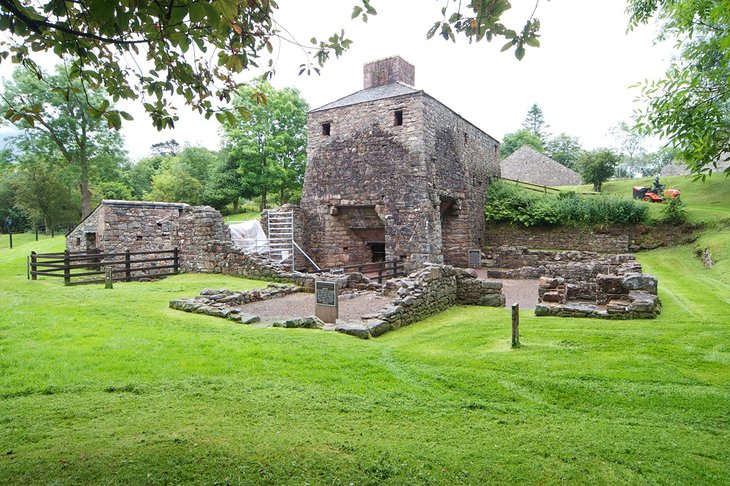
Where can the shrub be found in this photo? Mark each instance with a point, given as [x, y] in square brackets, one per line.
[510, 203]
[674, 212]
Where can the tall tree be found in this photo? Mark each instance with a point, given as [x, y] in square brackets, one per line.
[629, 144]
[226, 184]
[597, 167]
[565, 149]
[60, 121]
[513, 141]
[41, 190]
[183, 178]
[690, 106]
[168, 147]
[152, 50]
[270, 146]
[534, 122]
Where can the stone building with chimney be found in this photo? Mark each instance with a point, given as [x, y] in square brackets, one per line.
[393, 173]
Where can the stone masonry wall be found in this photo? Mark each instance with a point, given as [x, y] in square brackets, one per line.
[424, 179]
[608, 240]
[116, 226]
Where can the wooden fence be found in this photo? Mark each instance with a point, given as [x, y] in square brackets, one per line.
[124, 266]
[375, 271]
[544, 189]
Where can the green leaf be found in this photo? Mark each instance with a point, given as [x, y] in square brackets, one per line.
[356, 11]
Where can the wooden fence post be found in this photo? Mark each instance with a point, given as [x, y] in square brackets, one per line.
[108, 278]
[66, 269]
[127, 266]
[176, 261]
[515, 325]
[33, 266]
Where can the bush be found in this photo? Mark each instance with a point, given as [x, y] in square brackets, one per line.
[512, 204]
[674, 212]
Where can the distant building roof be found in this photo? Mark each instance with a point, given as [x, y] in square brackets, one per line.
[678, 168]
[370, 94]
[528, 165]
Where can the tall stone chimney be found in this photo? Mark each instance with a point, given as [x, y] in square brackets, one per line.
[388, 71]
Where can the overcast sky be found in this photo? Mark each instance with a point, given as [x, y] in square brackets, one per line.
[580, 76]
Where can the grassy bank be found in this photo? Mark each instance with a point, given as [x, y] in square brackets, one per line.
[111, 386]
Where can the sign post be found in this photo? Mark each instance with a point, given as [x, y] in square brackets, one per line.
[326, 304]
[9, 226]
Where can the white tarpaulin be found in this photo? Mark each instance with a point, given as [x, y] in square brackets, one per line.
[249, 236]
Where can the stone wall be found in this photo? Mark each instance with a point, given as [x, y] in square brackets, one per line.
[607, 240]
[574, 266]
[617, 296]
[424, 293]
[422, 184]
[117, 226]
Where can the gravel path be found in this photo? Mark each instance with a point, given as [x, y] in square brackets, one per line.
[516, 291]
[301, 304]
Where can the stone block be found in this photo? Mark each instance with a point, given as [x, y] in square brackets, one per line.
[357, 330]
[378, 327]
[641, 281]
[492, 300]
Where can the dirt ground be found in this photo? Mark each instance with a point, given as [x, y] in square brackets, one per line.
[355, 305]
[352, 306]
[517, 291]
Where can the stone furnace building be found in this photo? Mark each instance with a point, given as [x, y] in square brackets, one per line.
[392, 173]
[528, 165]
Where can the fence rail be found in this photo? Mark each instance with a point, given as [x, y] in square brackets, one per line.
[375, 271]
[544, 189]
[124, 266]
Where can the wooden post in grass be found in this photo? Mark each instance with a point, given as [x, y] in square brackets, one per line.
[515, 325]
[66, 268]
[33, 266]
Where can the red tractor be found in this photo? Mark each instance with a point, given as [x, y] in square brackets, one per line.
[655, 194]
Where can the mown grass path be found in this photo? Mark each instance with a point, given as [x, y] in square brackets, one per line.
[111, 386]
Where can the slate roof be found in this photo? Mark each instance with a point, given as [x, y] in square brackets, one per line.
[528, 165]
[677, 168]
[371, 94]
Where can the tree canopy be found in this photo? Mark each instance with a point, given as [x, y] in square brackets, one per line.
[59, 122]
[195, 49]
[270, 145]
[515, 140]
[534, 122]
[691, 105]
[597, 167]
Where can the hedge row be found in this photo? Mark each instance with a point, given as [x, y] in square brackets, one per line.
[509, 203]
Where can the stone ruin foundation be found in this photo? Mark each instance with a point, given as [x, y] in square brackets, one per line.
[422, 294]
[581, 284]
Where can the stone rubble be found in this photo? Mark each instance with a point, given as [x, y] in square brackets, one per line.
[419, 295]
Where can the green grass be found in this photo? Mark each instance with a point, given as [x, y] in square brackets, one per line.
[247, 216]
[111, 386]
[707, 202]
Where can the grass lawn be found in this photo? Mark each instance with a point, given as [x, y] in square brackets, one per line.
[707, 202]
[111, 386]
[235, 218]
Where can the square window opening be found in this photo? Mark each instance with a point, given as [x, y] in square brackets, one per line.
[326, 128]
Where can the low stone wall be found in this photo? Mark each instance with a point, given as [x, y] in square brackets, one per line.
[420, 295]
[607, 240]
[632, 296]
[425, 293]
[220, 303]
[575, 266]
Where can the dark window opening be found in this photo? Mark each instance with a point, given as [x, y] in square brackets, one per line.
[378, 250]
[398, 117]
[325, 128]
[139, 237]
[466, 138]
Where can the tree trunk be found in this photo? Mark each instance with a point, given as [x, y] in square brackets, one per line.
[263, 198]
[235, 206]
[84, 179]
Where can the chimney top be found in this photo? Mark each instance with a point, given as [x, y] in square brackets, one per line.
[388, 71]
